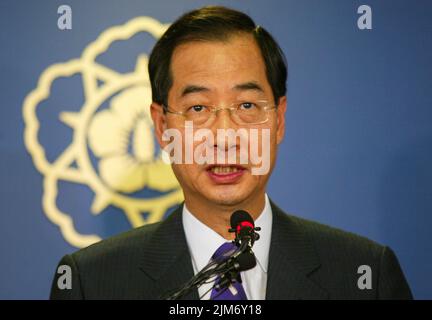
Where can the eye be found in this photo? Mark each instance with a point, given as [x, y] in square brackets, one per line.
[247, 106]
[197, 108]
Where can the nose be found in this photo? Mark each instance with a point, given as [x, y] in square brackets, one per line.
[223, 120]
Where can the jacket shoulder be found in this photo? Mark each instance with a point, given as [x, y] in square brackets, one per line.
[123, 244]
[346, 258]
[327, 238]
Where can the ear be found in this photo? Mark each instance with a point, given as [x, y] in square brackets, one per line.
[159, 122]
[280, 117]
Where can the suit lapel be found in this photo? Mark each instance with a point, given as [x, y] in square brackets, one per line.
[167, 260]
[291, 259]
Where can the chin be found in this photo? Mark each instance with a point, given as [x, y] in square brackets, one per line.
[228, 196]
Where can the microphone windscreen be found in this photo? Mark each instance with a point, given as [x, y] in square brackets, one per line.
[246, 261]
[240, 216]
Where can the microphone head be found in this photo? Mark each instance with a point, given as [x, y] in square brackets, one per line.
[243, 225]
[240, 216]
[246, 261]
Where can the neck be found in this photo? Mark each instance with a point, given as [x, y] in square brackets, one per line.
[217, 216]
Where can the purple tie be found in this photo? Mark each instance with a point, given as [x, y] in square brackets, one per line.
[235, 291]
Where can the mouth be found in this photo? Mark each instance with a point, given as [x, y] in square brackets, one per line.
[225, 174]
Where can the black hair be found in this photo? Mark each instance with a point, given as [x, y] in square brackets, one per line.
[213, 23]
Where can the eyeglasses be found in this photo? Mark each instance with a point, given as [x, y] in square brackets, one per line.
[242, 113]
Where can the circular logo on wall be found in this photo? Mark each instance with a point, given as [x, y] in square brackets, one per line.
[111, 149]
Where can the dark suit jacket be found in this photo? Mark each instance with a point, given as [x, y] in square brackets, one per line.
[307, 261]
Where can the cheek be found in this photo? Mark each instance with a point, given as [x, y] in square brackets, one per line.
[267, 137]
[190, 174]
[183, 175]
[274, 134]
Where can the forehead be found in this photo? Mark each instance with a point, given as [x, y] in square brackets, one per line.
[218, 65]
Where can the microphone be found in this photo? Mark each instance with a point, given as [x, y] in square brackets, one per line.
[244, 227]
[243, 262]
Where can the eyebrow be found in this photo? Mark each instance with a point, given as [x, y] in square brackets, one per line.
[251, 85]
[193, 89]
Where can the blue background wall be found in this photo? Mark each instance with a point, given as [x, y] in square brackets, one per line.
[358, 147]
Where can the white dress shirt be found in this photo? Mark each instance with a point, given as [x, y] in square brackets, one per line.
[203, 242]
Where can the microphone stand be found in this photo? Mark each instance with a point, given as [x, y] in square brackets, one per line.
[228, 268]
[213, 268]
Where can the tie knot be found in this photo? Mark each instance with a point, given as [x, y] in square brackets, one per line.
[224, 251]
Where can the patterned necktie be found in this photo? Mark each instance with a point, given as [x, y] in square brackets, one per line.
[235, 291]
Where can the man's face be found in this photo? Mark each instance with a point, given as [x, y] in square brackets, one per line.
[218, 74]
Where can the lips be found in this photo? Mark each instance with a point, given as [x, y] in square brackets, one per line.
[225, 174]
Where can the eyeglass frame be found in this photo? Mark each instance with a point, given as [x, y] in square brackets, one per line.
[215, 110]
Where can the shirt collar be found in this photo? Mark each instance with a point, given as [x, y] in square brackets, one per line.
[203, 241]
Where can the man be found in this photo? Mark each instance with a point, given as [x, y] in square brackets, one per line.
[215, 69]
